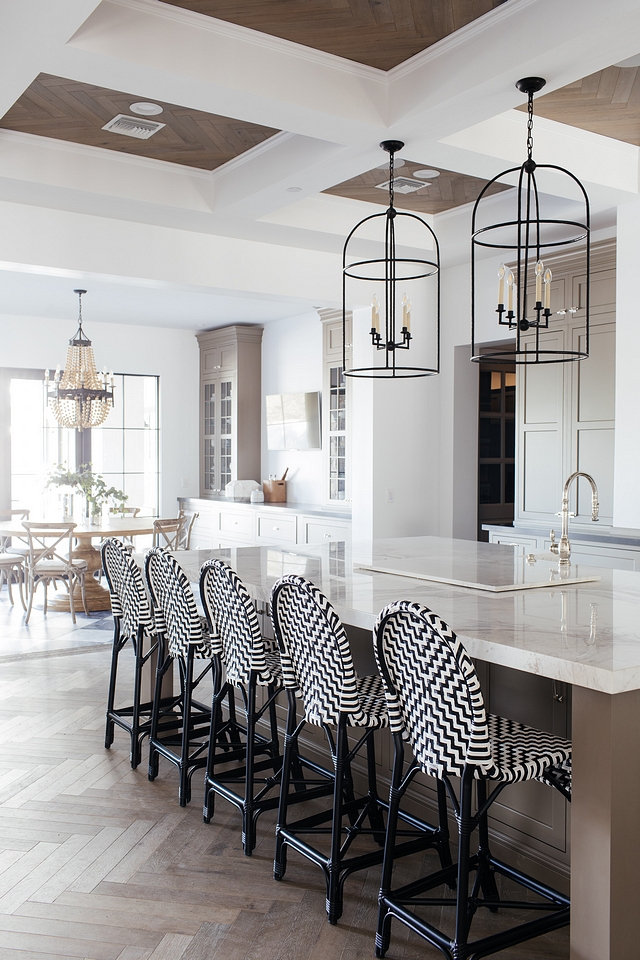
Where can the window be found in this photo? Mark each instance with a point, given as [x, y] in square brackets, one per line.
[125, 449]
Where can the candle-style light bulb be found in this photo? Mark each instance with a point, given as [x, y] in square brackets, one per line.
[539, 272]
[407, 321]
[375, 314]
[405, 302]
[501, 273]
[510, 289]
[46, 376]
[547, 288]
[57, 376]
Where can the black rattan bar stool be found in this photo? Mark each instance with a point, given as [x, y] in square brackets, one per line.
[179, 724]
[436, 703]
[132, 620]
[317, 665]
[251, 758]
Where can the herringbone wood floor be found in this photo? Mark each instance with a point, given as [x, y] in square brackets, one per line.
[98, 863]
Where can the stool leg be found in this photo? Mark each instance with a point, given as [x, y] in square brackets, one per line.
[383, 933]
[444, 848]
[219, 693]
[248, 823]
[375, 811]
[136, 750]
[187, 685]
[161, 668]
[487, 876]
[464, 843]
[290, 745]
[342, 772]
[111, 695]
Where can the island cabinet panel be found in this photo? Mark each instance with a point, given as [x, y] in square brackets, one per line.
[565, 411]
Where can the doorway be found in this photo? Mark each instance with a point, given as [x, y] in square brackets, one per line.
[496, 445]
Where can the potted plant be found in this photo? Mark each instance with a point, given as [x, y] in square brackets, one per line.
[90, 485]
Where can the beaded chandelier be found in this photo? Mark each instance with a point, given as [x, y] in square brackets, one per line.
[80, 396]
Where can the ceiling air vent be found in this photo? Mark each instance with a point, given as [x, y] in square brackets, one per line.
[403, 185]
[133, 126]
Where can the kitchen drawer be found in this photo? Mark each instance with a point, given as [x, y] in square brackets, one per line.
[236, 525]
[278, 529]
[319, 531]
[510, 539]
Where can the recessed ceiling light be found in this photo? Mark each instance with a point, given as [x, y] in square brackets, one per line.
[426, 174]
[145, 109]
[294, 189]
[630, 62]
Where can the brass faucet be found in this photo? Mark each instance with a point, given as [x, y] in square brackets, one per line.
[563, 549]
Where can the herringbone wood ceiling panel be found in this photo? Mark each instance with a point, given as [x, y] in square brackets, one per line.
[67, 110]
[442, 193]
[607, 102]
[381, 33]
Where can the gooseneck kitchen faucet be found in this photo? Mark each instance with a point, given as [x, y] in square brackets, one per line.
[563, 549]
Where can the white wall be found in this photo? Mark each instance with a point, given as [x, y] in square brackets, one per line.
[292, 363]
[626, 502]
[170, 354]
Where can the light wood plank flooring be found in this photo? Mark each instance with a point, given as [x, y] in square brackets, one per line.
[97, 863]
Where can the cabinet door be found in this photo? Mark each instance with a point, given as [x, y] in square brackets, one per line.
[218, 433]
[209, 470]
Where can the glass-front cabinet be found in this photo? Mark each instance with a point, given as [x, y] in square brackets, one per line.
[230, 406]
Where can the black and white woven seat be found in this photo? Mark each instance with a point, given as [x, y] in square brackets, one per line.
[318, 668]
[251, 758]
[132, 621]
[559, 776]
[435, 703]
[179, 724]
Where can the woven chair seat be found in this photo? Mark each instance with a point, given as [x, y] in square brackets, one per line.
[372, 701]
[521, 753]
[10, 560]
[44, 567]
[559, 776]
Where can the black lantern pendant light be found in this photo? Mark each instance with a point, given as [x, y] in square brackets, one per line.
[530, 238]
[391, 308]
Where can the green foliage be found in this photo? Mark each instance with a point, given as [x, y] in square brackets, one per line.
[91, 485]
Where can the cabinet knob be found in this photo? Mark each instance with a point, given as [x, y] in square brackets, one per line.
[275, 528]
[328, 536]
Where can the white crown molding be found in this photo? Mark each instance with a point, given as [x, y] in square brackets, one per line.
[149, 163]
[277, 140]
[275, 45]
[490, 21]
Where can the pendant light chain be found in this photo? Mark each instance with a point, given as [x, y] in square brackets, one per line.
[530, 128]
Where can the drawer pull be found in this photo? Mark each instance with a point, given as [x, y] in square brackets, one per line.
[275, 528]
[328, 536]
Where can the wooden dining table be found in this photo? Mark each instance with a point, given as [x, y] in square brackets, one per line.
[97, 596]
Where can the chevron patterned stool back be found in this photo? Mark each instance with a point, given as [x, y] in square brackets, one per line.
[433, 693]
[435, 702]
[133, 620]
[179, 724]
[316, 658]
[232, 615]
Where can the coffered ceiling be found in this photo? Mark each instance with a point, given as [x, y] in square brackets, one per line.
[606, 102]
[380, 33]
[439, 193]
[67, 110]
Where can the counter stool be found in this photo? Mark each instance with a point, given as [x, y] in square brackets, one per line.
[435, 702]
[180, 723]
[559, 777]
[12, 564]
[317, 665]
[250, 661]
[132, 620]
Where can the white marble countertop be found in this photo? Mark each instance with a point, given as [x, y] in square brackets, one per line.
[308, 509]
[586, 634]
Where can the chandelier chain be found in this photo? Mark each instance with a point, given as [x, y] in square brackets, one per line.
[530, 128]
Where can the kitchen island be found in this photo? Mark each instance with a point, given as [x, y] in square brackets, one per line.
[583, 634]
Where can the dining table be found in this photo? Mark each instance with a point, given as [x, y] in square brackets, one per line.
[97, 596]
[579, 625]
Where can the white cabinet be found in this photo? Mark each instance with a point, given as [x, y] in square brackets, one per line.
[277, 529]
[223, 523]
[317, 530]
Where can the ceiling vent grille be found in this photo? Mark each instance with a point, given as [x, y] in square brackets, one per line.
[403, 185]
[133, 126]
